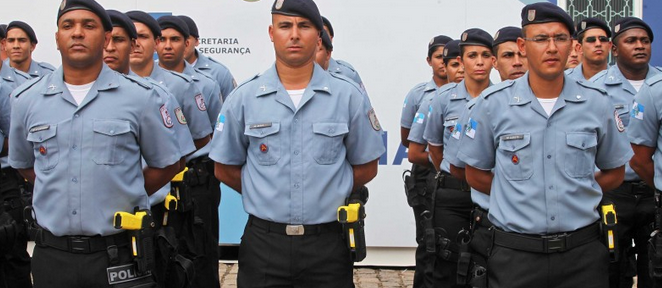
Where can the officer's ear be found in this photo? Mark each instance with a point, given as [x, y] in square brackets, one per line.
[614, 50]
[134, 43]
[32, 47]
[187, 43]
[271, 32]
[521, 45]
[107, 36]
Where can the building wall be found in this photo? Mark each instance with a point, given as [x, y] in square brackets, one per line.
[652, 10]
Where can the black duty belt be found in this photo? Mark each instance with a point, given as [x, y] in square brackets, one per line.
[80, 244]
[294, 230]
[479, 216]
[636, 188]
[448, 181]
[547, 243]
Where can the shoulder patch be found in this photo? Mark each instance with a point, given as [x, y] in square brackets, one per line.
[497, 87]
[25, 86]
[653, 80]
[180, 75]
[138, 80]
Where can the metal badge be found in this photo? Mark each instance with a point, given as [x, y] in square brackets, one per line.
[279, 4]
[42, 150]
[264, 148]
[532, 15]
[465, 35]
[583, 25]
[431, 41]
[515, 159]
[496, 36]
[617, 28]
[63, 4]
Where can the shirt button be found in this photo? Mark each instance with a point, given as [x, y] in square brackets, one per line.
[296, 120]
[551, 186]
[549, 156]
[75, 180]
[76, 115]
[74, 212]
[296, 152]
[296, 185]
[112, 131]
[74, 147]
[553, 218]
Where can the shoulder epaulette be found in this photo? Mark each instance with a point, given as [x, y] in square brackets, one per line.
[497, 87]
[346, 79]
[25, 86]
[600, 74]
[347, 65]
[657, 68]
[46, 66]
[181, 75]
[249, 80]
[203, 73]
[138, 80]
[446, 87]
[653, 80]
[591, 85]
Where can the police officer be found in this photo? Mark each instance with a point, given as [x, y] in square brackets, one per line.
[543, 134]
[509, 61]
[454, 68]
[206, 189]
[416, 184]
[339, 66]
[19, 45]
[323, 55]
[275, 144]
[575, 56]
[79, 135]
[3, 34]
[219, 72]
[633, 199]
[453, 202]
[594, 36]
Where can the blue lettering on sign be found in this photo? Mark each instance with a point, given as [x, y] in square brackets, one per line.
[400, 155]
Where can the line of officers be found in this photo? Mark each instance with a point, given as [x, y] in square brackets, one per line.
[90, 149]
[516, 184]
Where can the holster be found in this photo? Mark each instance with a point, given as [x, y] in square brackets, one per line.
[655, 242]
[199, 172]
[9, 231]
[173, 270]
[353, 225]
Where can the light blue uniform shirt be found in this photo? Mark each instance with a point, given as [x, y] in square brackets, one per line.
[10, 76]
[297, 162]
[5, 110]
[544, 179]
[413, 101]
[576, 73]
[343, 68]
[87, 157]
[418, 122]
[452, 146]
[218, 71]
[37, 69]
[621, 93]
[189, 98]
[213, 100]
[645, 119]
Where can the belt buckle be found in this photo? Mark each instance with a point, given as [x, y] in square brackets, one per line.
[555, 243]
[79, 244]
[294, 230]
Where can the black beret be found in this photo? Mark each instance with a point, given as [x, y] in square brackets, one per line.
[590, 23]
[439, 40]
[192, 28]
[174, 22]
[90, 5]
[301, 8]
[476, 37]
[3, 31]
[452, 49]
[120, 20]
[25, 27]
[507, 34]
[326, 41]
[631, 22]
[327, 23]
[546, 12]
[148, 20]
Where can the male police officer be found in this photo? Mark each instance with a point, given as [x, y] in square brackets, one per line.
[594, 36]
[340, 66]
[508, 60]
[575, 57]
[323, 55]
[84, 156]
[19, 45]
[416, 183]
[219, 72]
[543, 134]
[633, 199]
[297, 163]
[3, 34]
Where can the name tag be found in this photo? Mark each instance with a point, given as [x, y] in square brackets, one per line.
[261, 125]
[512, 137]
[39, 128]
[619, 106]
[451, 118]
[124, 273]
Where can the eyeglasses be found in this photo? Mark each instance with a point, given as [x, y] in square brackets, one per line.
[544, 39]
[591, 39]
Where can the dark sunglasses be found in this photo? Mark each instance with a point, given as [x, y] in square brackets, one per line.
[591, 39]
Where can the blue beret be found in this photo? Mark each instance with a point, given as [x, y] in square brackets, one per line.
[120, 20]
[174, 22]
[300, 8]
[25, 27]
[546, 12]
[627, 23]
[439, 40]
[90, 5]
[452, 49]
[148, 20]
[326, 41]
[507, 34]
[590, 23]
[476, 37]
[327, 23]
[192, 28]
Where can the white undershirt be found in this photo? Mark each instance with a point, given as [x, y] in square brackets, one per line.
[548, 104]
[636, 84]
[79, 91]
[296, 96]
[194, 62]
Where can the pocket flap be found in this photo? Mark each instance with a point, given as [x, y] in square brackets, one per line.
[581, 140]
[261, 131]
[514, 142]
[111, 127]
[42, 134]
[330, 129]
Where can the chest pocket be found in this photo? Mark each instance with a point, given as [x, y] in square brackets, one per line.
[45, 147]
[111, 138]
[328, 140]
[265, 143]
[514, 156]
[580, 161]
[449, 127]
[623, 111]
